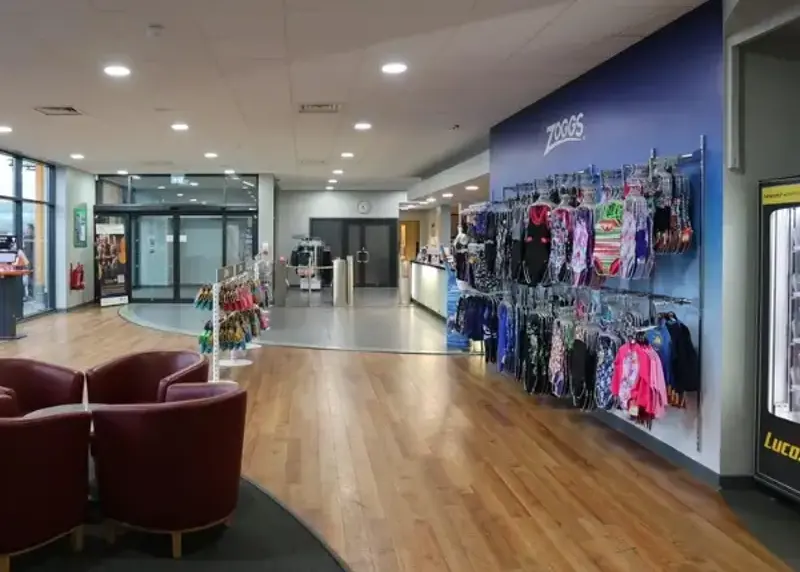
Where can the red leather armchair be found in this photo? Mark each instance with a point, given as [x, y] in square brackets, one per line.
[144, 377]
[44, 481]
[38, 385]
[172, 467]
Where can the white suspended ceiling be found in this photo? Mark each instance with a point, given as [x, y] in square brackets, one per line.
[237, 71]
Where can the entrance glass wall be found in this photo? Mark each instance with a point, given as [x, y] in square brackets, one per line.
[183, 228]
[175, 251]
[26, 212]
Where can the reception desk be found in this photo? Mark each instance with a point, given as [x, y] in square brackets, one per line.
[429, 287]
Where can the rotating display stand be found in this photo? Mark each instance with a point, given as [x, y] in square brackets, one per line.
[238, 303]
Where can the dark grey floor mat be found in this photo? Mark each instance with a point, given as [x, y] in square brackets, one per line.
[264, 537]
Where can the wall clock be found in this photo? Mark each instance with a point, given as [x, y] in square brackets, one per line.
[364, 207]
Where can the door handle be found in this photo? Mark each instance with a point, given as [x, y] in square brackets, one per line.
[366, 254]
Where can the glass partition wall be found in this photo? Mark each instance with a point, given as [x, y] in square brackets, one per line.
[182, 228]
[26, 212]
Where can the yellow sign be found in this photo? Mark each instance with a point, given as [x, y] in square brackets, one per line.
[782, 448]
[781, 194]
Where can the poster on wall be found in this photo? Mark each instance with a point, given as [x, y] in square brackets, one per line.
[80, 223]
[111, 256]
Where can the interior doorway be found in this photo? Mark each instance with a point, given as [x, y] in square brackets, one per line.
[372, 243]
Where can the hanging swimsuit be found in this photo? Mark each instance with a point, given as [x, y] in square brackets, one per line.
[537, 243]
[560, 243]
[608, 238]
[582, 246]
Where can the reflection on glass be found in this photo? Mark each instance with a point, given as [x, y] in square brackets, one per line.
[35, 245]
[240, 239]
[34, 180]
[7, 210]
[784, 317]
[152, 258]
[189, 190]
[6, 176]
[200, 252]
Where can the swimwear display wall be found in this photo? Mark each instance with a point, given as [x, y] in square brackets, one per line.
[621, 113]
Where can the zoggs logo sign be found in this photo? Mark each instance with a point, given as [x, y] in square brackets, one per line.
[564, 131]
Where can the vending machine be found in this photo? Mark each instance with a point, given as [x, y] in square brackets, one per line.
[778, 417]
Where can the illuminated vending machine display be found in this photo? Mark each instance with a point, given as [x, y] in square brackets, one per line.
[778, 439]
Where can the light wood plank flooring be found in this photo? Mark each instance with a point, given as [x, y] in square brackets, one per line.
[417, 463]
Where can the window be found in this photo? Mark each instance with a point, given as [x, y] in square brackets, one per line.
[176, 190]
[26, 212]
[7, 217]
[7, 176]
[35, 244]
[35, 181]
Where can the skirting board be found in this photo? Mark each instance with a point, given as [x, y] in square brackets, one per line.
[430, 311]
[674, 456]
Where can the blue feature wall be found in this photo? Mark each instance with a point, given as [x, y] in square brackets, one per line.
[662, 93]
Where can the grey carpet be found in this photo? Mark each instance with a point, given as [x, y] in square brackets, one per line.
[264, 537]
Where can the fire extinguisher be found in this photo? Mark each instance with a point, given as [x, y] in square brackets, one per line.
[76, 277]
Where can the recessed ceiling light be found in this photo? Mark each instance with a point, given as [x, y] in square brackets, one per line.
[211, 155]
[230, 172]
[76, 156]
[347, 155]
[180, 127]
[116, 70]
[328, 188]
[447, 195]
[338, 172]
[362, 126]
[332, 181]
[472, 187]
[192, 200]
[394, 68]
[5, 129]
[137, 177]
[194, 183]
[123, 173]
[180, 194]
[161, 187]
[431, 200]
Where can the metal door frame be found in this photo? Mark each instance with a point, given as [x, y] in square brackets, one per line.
[359, 270]
[129, 212]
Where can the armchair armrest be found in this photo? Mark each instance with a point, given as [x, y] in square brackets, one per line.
[197, 373]
[192, 391]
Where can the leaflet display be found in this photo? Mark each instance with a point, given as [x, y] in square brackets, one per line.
[111, 264]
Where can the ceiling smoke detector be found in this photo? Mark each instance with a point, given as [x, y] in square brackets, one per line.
[58, 110]
[320, 107]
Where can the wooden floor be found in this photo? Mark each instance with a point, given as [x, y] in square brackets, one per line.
[415, 463]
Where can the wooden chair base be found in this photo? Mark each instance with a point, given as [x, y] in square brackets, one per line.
[113, 527]
[76, 540]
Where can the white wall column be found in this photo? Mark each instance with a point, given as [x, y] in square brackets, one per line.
[266, 212]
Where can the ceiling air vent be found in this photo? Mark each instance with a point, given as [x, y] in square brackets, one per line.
[313, 162]
[58, 110]
[320, 107]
